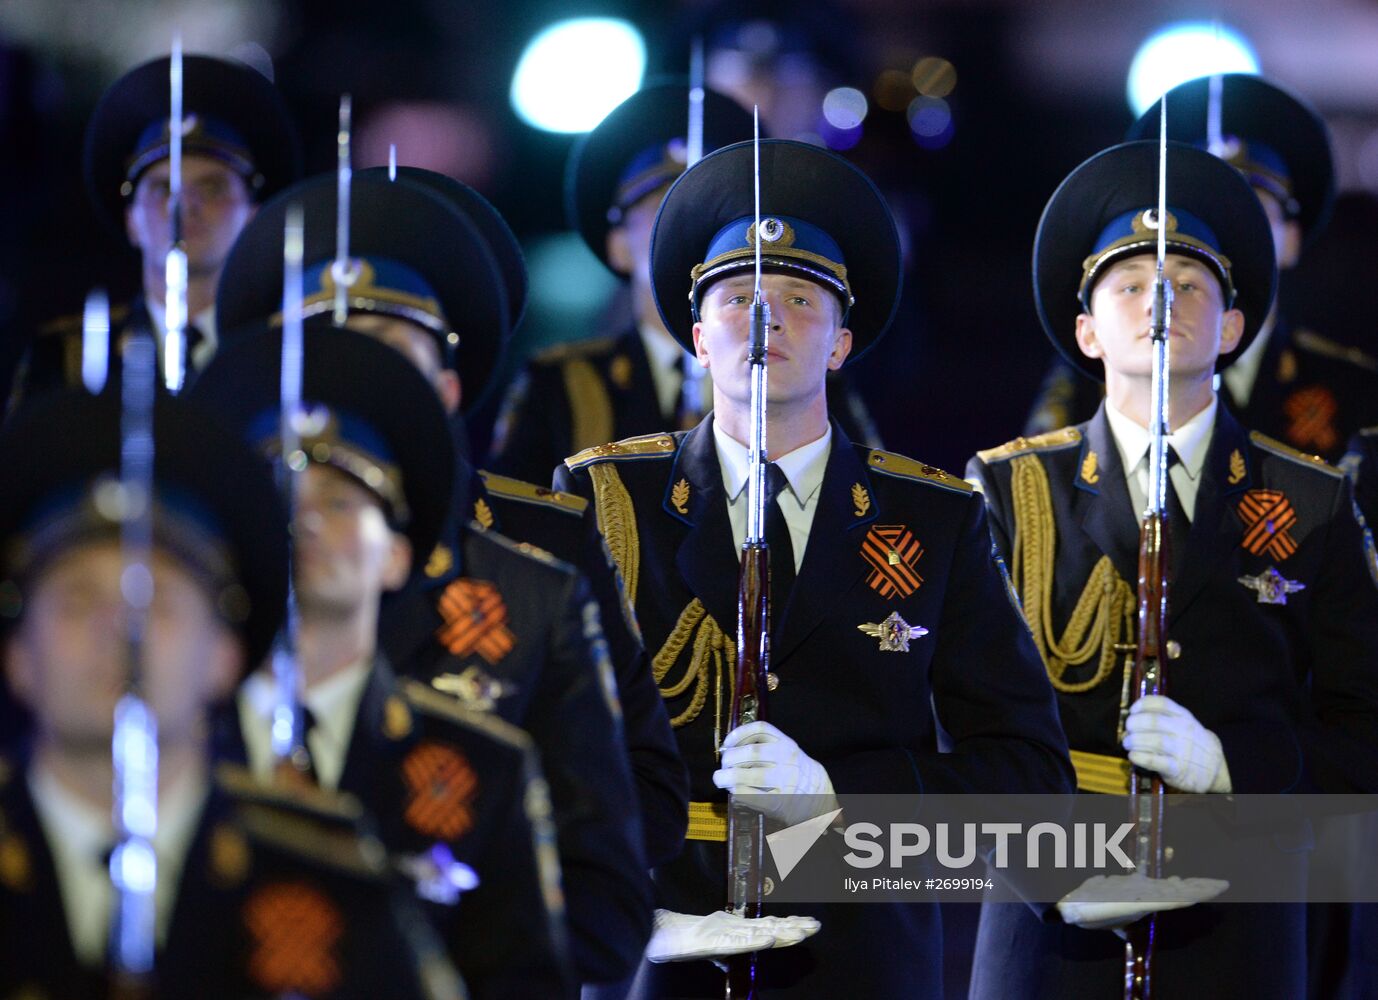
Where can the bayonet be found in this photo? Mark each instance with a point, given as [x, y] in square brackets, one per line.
[342, 271]
[175, 265]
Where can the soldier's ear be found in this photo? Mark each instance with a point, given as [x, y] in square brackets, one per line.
[1086, 336]
[226, 665]
[620, 251]
[842, 347]
[699, 352]
[1231, 330]
[398, 565]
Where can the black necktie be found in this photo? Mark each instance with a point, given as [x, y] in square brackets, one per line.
[777, 537]
[1179, 525]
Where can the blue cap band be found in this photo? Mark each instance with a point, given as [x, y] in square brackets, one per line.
[1136, 233]
[787, 244]
[200, 134]
[377, 285]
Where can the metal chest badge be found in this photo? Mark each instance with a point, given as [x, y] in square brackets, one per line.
[891, 550]
[1271, 586]
[894, 633]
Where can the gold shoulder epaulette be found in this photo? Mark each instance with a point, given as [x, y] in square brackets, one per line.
[893, 464]
[654, 445]
[1060, 438]
[524, 492]
[523, 549]
[1310, 340]
[240, 782]
[426, 700]
[1300, 457]
[72, 323]
[556, 353]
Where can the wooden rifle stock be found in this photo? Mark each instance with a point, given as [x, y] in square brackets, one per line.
[1147, 796]
[745, 826]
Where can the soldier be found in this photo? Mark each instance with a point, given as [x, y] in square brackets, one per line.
[1273, 613]
[1293, 383]
[418, 251]
[239, 146]
[1361, 465]
[257, 894]
[872, 537]
[585, 393]
[375, 490]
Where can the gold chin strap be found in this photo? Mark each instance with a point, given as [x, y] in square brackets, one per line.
[1104, 612]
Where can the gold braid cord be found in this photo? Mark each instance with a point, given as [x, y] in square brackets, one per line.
[1104, 612]
[617, 521]
[712, 648]
[589, 405]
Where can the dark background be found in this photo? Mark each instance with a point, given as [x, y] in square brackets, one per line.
[1039, 87]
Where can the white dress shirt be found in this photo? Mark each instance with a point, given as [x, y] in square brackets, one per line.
[670, 366]
[1191, 441]
[80, 837]
[333, 702]
[204, 321]
[803, 468]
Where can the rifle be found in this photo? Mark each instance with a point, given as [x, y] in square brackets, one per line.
[745, 826]
[1147, 792]
[175, 264]
[134, 864]
[292, 759]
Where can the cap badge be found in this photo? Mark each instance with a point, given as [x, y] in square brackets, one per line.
[776, 232]
[1147, 221]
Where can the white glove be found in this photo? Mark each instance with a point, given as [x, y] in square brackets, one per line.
[1162, 736]
[679, 937]
[1113, 902]
[760, 760]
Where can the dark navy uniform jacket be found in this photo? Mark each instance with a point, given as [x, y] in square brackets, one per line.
[276, 895]
[562, 524]
[430, 771]
[578, 395]
[507, 628]
[1290, 689]
[871, 718]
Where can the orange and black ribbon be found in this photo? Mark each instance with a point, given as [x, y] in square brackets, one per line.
[442, 785]
[891, 550]
[475, 620]
[1267, 514]
[295, 930]
[1311, 416]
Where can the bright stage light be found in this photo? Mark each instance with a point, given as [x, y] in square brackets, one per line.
[1182, 52]
[574, 72]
